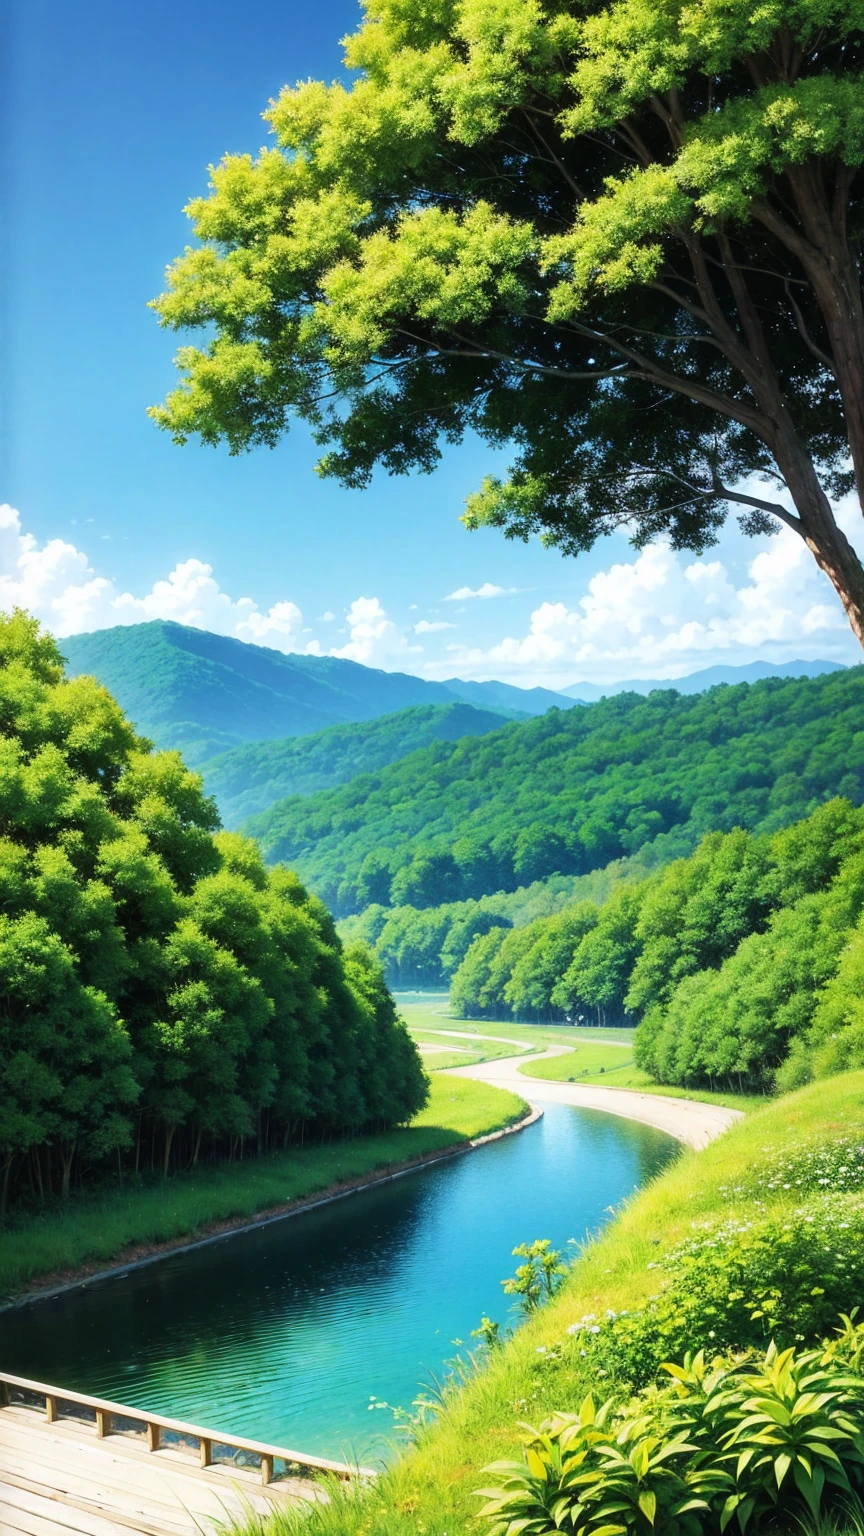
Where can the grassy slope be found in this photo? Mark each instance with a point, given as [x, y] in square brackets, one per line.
[99, 1230]
[429, 1491]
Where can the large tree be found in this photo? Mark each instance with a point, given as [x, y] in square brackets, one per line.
[621, 235]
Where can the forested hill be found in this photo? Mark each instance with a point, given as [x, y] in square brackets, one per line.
[252, 777]
[569, 791]
[204, 694]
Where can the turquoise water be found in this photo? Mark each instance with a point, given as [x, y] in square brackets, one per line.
[289, 1333]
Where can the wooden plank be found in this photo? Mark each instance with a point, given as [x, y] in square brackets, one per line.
[162, 1514]
[167, 1491]
[105, 1407]
[73, 1517]
[118, 1486]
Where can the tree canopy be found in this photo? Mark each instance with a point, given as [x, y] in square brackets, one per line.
[570, 791]
[163, 991]
[740, 965]
[621, 237]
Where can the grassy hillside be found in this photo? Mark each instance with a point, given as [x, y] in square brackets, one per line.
[205, 694]
[734, 1211]
[572, 790]
[252, 777]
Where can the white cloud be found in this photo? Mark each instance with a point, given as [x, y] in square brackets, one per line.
[56, 582]
[488, 589]
[666, 613]
[427, 628]
[373, 637]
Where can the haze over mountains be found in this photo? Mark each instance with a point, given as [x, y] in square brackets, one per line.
[698, 682]
[206, 693]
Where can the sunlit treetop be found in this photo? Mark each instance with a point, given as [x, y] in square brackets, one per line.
[621, 238]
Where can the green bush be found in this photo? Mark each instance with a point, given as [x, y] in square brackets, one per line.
[737, 1285]
[764, 1440]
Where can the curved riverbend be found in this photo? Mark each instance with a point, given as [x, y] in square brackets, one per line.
[688, 1120]
[303, 1331]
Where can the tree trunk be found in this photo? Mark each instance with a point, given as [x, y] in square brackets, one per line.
[4, 1187]
[68, 1158]
[170, 1131]
[817, 527]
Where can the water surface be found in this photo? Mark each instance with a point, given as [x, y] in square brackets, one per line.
[289, 1332]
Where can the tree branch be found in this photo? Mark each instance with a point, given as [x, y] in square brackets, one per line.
[810, 344]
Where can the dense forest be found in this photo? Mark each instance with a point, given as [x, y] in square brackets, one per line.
[574, 789]
[250, 778]
[743, 962]
[165, 996]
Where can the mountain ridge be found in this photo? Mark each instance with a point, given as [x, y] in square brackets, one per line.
[205, 693]
[249, 779]
[700, 681]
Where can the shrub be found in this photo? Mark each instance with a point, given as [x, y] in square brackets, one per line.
[737, 1285]
[737, 1439]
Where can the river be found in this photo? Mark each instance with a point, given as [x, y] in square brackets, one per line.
[309, 1332]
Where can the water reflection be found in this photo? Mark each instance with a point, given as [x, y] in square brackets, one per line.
[286, 1333]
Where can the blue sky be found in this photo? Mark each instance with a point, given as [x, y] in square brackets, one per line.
[114, 114]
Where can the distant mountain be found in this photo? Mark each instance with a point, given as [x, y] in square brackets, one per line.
[527, 701]
[205, 693]
[252, 777]
[697, 682]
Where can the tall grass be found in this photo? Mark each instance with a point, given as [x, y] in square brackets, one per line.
[115, 1224]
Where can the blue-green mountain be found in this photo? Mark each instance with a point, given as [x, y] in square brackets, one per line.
[252, 777]
[205, 693]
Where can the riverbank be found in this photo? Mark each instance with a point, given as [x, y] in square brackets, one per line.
[596, 1064]
[123, 1227]
[540, 1370]
[694, 1122]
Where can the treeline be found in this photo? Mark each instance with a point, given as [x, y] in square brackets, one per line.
[165, 997]
[574, 789]
[740, 963]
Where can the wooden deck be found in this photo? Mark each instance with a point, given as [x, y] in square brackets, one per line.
[61, 1480]
[76, 1466]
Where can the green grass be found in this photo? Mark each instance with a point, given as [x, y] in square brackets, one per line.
[429, 1491]
[95, 1231]
[431, 1010]
[452, 1056]
[610, 1067]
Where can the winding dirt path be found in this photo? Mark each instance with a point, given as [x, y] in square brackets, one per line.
[688, 1120]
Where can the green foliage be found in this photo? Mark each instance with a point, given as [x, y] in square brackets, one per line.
[742, 963]
[746, 1439]
[163, 989]
[539, 226]
[569, 792]
[249, 779]
[736, 1285]
[539, 1277]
